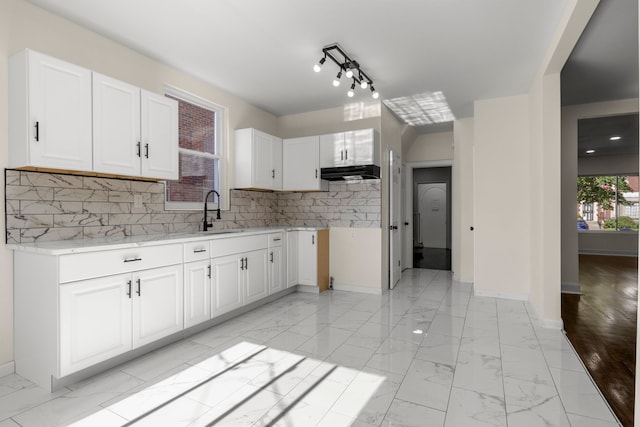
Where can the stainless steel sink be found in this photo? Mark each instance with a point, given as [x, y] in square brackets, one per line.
[222, 231]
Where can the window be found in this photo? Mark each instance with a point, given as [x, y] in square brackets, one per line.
[201, 132]
[608, 203]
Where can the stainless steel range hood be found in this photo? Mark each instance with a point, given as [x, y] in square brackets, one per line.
[350, 172]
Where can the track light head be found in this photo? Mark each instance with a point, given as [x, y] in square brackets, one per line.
[336, 81]
[351, 92]
[318, 66]
[364, 84]
[349, 73]
[374, 93]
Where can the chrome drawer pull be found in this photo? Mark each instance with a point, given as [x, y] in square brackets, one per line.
[132, 259]
[199, 251]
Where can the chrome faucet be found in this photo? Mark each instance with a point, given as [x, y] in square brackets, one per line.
[206, 224]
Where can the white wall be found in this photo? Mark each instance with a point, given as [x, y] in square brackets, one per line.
[431, 146]
[501, 180]
[352, 251]
[23, 25]
[608, 243]
[361, 115]
[462, 250]
[569, 233]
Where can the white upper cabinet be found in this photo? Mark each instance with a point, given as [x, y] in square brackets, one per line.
[301, 164]
[159, 136]
[258, 160]
[116, 126]
[49, 113]
[63, 116]
[352, 148]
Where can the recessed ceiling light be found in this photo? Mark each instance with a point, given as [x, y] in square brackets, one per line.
[421, 109]
[590, 151]
[615, 138]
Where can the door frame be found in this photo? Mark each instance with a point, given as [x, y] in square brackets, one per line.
[407, 203]
[391, 153]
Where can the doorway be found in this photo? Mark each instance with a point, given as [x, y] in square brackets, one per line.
[395, 241]
[432, 218]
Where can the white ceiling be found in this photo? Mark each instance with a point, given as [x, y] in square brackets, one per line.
[264, 51]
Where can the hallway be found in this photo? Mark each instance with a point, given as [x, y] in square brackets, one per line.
[601, 325]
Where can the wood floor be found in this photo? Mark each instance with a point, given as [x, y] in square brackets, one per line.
[601, 325]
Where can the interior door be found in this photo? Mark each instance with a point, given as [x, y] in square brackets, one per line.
[432, 206]
[395, 241]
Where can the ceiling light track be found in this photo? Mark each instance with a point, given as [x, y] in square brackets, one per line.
[347, 66]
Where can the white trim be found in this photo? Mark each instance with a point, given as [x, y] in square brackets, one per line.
[430, 164]
[462, 279]
[358, 289]
[607, 252]
[7, 368]
[552, 324]
[570, 288]
[503, 295]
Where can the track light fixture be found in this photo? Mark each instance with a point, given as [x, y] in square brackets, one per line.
[349, 67]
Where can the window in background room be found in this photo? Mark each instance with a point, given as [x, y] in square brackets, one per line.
[201, 131]
[608, 203]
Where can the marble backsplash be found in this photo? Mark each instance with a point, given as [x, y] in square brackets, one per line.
[42, 206]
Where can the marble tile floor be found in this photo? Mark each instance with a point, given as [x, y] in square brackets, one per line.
[428, 353]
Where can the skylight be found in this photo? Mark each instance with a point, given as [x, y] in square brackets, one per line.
[421, 109]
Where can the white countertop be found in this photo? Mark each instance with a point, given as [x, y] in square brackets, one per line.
[61, 247]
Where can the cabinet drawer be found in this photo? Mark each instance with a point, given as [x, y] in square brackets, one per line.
[104, 263]
[276, 239]
[196, 251]
[235, 245]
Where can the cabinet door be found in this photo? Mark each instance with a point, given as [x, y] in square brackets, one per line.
[157, 304]
[307, 258]
[95, 321]
[332, 150]
[60, 114]
[276, 173]
[361, 147]
[227, 292]
[292, 258]
[277, 280]
[301, 163]
[159, 136]
[262, 160]
[116, 126]
[197, 292]
[255, 276]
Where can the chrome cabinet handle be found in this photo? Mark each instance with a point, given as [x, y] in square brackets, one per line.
[132, 259]
[139, 291]
[313, 239]
[209, 271]
[129, 288]
[37, 126]
[271, 257]
[146, 151]
[277, 239]
[139, 145]
[199, 251]
[246, 263]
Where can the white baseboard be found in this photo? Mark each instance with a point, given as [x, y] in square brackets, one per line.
[308, 289]
[505, 295]
[7, 368]
[552, 324]
[606, 252]
[570, 288]
[462, 279]
[359, 289]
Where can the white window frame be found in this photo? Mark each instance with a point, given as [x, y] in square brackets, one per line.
[221, 141]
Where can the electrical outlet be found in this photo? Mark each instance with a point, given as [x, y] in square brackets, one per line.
[137, 200]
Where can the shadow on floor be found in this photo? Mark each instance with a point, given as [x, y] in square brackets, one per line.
[432, 258]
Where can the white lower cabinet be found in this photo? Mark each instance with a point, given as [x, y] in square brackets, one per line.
[227, 292]
[95, 321]
[292, 258]
[277, 276]
[107, 316]
[307, 258]
[255, 276]
[197, 292]
[157, 304]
